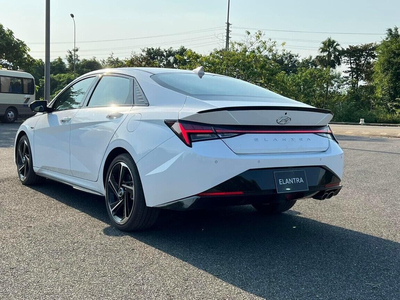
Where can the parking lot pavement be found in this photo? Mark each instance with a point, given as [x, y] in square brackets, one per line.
[7, 134]
[56, 242]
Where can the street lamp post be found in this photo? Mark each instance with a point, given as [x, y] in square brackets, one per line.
[47, 54]
[73, 19]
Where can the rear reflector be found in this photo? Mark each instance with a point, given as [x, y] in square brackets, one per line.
[221, 194]
[335, 184]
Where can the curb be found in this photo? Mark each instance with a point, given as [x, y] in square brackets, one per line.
[366, 124]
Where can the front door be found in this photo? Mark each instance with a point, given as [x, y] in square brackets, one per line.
[52, 131]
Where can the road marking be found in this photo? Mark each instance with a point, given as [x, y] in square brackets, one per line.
[383, 133]
[349, 131]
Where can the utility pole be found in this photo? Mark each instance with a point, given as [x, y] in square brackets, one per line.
[228, 27]
[73, 19]
[47, 54]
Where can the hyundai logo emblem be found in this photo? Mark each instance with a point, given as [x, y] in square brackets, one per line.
[283, 120]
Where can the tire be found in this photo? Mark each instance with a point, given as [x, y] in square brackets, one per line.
[24, 161]
[10, 116]
[274, 208]
[125, 202]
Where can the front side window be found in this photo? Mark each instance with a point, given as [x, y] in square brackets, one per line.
[73, 96]
[112, 91]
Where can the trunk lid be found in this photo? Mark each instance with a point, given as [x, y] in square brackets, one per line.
[263, 128]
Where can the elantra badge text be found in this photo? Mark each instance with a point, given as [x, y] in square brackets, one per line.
[291, 180]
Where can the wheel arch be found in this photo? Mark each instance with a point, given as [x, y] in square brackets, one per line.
[113, 154]
[18, 137]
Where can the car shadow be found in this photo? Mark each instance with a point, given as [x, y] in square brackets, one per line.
[274, 257]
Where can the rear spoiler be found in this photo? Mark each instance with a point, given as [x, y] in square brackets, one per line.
[287, 108]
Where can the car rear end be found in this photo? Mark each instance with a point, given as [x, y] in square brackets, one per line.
[236, 149]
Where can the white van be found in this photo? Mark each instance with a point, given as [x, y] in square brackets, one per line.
[17, 91]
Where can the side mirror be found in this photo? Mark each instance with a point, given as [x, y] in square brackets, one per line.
[39, 106]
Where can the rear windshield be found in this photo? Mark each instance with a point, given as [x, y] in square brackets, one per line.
[210, 86]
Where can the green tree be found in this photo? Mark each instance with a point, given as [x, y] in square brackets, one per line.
[58, 66]
[330, 54]
[58, 82]
[359, 60]
[329, 58]
[249, 60]
[112, 62]
[13, 52]
[36, 68]
[72, 59]
[157, 57]
[87, 65]
[387, 70]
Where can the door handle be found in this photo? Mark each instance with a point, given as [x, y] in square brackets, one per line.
[65, 120]
[114, 116]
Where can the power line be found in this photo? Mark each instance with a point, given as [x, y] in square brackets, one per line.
[293, 40]
[129, 52]
[137, 38]
[316, 32]
[202, 38]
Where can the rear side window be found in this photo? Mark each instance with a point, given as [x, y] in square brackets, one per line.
[139, 96]
[112, 91]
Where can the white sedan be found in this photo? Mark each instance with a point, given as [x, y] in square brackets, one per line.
[149, 138]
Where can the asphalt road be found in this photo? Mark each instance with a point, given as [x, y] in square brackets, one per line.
[56, 242]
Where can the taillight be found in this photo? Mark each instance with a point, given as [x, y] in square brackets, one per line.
[328, 134]
[192, 132]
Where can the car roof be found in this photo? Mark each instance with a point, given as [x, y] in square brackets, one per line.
[135, 70]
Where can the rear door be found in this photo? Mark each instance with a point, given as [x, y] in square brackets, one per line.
[95, 124]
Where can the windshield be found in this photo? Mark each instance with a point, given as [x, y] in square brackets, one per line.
[211, 85]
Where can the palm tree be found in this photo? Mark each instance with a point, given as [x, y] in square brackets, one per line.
[330, 58]
[331, 54]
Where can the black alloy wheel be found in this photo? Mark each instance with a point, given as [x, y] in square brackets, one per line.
[125, 200]
[24, 162]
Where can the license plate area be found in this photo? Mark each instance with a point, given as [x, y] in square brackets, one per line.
[290, 181]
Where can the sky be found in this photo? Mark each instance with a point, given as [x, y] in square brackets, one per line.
[125, 26]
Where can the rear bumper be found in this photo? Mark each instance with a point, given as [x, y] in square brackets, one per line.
[258, 186]
[173, 171]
